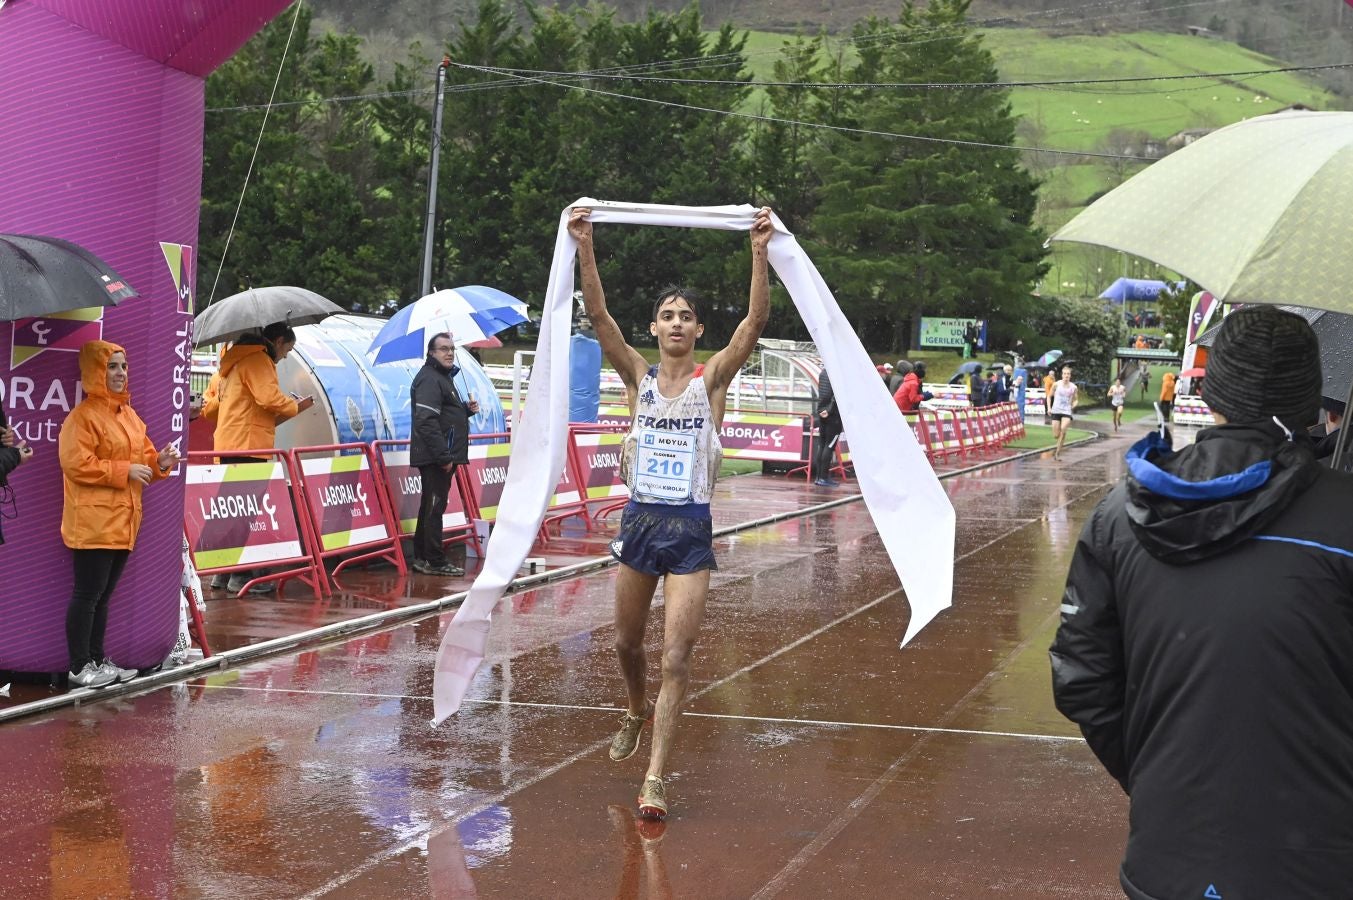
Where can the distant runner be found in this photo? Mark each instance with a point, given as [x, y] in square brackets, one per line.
[670, 460]
[1062, 408]
[1117, 397]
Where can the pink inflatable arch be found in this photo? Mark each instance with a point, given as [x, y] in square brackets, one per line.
[101, 110]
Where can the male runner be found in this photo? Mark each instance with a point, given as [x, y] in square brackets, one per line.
[670, 460]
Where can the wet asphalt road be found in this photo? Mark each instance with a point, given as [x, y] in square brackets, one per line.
[815, 758]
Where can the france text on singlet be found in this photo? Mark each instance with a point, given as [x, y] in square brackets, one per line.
[672, 452]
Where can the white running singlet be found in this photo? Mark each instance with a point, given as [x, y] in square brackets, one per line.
[672, 452]
[1062, 393]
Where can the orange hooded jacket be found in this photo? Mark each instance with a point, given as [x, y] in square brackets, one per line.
[100, 440]
[1167, 388]
[248, 401]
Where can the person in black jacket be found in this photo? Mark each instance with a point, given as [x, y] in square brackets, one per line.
[1326, 436]
[13, 453]
[1204, 644]
[898, 375]
[828, 431]
[439, 441]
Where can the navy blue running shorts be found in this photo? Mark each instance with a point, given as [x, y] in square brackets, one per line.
[663, 539]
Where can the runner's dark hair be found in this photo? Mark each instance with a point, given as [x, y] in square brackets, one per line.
[675, 291]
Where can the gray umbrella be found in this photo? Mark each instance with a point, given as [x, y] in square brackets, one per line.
[257, 308]
[1335, 331]
[44, 275]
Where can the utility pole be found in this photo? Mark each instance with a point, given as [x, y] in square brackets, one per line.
[430, 225]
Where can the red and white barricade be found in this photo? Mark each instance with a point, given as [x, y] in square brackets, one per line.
[570, 495]
[596, 449]
[486, 473]
[768, 437]
[949, 437]
[241, 516]
[347, 507]
[405, 487]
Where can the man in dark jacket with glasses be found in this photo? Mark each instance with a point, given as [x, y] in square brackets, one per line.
[439, 441]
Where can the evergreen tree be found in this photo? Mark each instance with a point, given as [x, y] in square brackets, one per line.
[909, 227]
[783, 151]
[304, 219]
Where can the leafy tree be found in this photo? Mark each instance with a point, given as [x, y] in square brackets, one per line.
[1087, 331]
[908, 226]
[782, 150]
[1173, 305]
[304, 217]
[245, 80]
[515, 154]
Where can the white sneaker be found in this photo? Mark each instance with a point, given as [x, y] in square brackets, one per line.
[119, 673]
[92, 675]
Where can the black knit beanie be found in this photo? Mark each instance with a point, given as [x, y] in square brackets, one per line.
[1265, 362]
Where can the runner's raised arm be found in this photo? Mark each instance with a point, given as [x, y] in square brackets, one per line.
[626, 361]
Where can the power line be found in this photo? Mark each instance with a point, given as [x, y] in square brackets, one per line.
[545, 76]
[281, 64]
[929, 85]
[731, 59]
[838, 128]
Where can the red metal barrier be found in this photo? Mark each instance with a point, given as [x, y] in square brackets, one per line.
[197, 628]
[596, 447]
[916, 422]
[405, 496]
[242, 516]
[486, 473]
[570, 495]
[987, 430]
[839, 464]
[347, 507]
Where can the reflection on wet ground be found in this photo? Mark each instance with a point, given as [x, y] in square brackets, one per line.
[815, 758]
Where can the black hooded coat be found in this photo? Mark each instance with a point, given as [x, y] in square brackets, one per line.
[1206, 651]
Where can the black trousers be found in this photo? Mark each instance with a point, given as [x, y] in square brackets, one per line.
[824, 450]
[427, 534]
[96, 575]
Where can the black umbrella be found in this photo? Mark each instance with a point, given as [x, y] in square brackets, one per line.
[1335, 331]
[44, 275]
[967, 368]
[254, 309]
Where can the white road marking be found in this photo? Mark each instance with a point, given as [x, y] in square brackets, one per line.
[816, 723]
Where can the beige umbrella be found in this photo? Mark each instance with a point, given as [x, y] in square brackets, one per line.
[1257, 212]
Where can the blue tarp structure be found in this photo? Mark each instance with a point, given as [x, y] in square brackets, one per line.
[584, 379]
[1135, 290]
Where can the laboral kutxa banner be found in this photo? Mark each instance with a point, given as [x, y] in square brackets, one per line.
[240, 514]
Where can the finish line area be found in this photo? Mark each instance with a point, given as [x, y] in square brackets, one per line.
[814, 756]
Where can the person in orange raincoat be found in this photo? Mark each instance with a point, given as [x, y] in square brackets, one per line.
[1167, 394]
[247, 404]
[106, 461]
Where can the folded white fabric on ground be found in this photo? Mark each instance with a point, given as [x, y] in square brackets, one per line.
[907, 502]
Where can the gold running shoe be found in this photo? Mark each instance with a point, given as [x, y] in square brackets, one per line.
[626, 740]
[653, 799]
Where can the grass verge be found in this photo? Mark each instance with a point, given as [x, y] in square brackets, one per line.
[1038, 437]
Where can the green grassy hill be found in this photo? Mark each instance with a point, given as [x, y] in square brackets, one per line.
[1082, 118]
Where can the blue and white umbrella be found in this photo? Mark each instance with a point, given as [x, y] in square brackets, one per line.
[470, 314]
